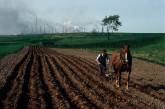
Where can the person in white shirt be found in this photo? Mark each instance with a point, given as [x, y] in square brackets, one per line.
[102, 60]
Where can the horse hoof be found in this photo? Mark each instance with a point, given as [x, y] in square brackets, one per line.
[117, 86]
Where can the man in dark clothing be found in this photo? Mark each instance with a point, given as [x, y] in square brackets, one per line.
[102, 60]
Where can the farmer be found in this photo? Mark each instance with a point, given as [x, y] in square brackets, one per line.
[102, 60]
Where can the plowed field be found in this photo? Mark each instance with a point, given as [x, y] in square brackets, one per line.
[41, 78]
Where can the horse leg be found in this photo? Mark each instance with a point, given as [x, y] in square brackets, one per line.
[127, 80]
[118, 79]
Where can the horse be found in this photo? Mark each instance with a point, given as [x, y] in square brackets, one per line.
[121, 62]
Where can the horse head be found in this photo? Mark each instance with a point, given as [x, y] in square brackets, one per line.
[125, 53]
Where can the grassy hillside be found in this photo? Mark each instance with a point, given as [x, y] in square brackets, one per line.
[145, 46]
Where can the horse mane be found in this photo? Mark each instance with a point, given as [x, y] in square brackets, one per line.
[129, 52]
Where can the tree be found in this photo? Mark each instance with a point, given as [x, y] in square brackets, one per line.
[112, 23]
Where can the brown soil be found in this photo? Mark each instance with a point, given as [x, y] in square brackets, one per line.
[42, 78]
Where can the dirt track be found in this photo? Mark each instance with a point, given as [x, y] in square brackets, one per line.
[41, 78]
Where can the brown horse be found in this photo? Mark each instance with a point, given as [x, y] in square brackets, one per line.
[122, 62]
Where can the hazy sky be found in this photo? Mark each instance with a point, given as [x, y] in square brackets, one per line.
[135, 15]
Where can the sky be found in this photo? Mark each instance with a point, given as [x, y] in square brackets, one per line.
[139, 16]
